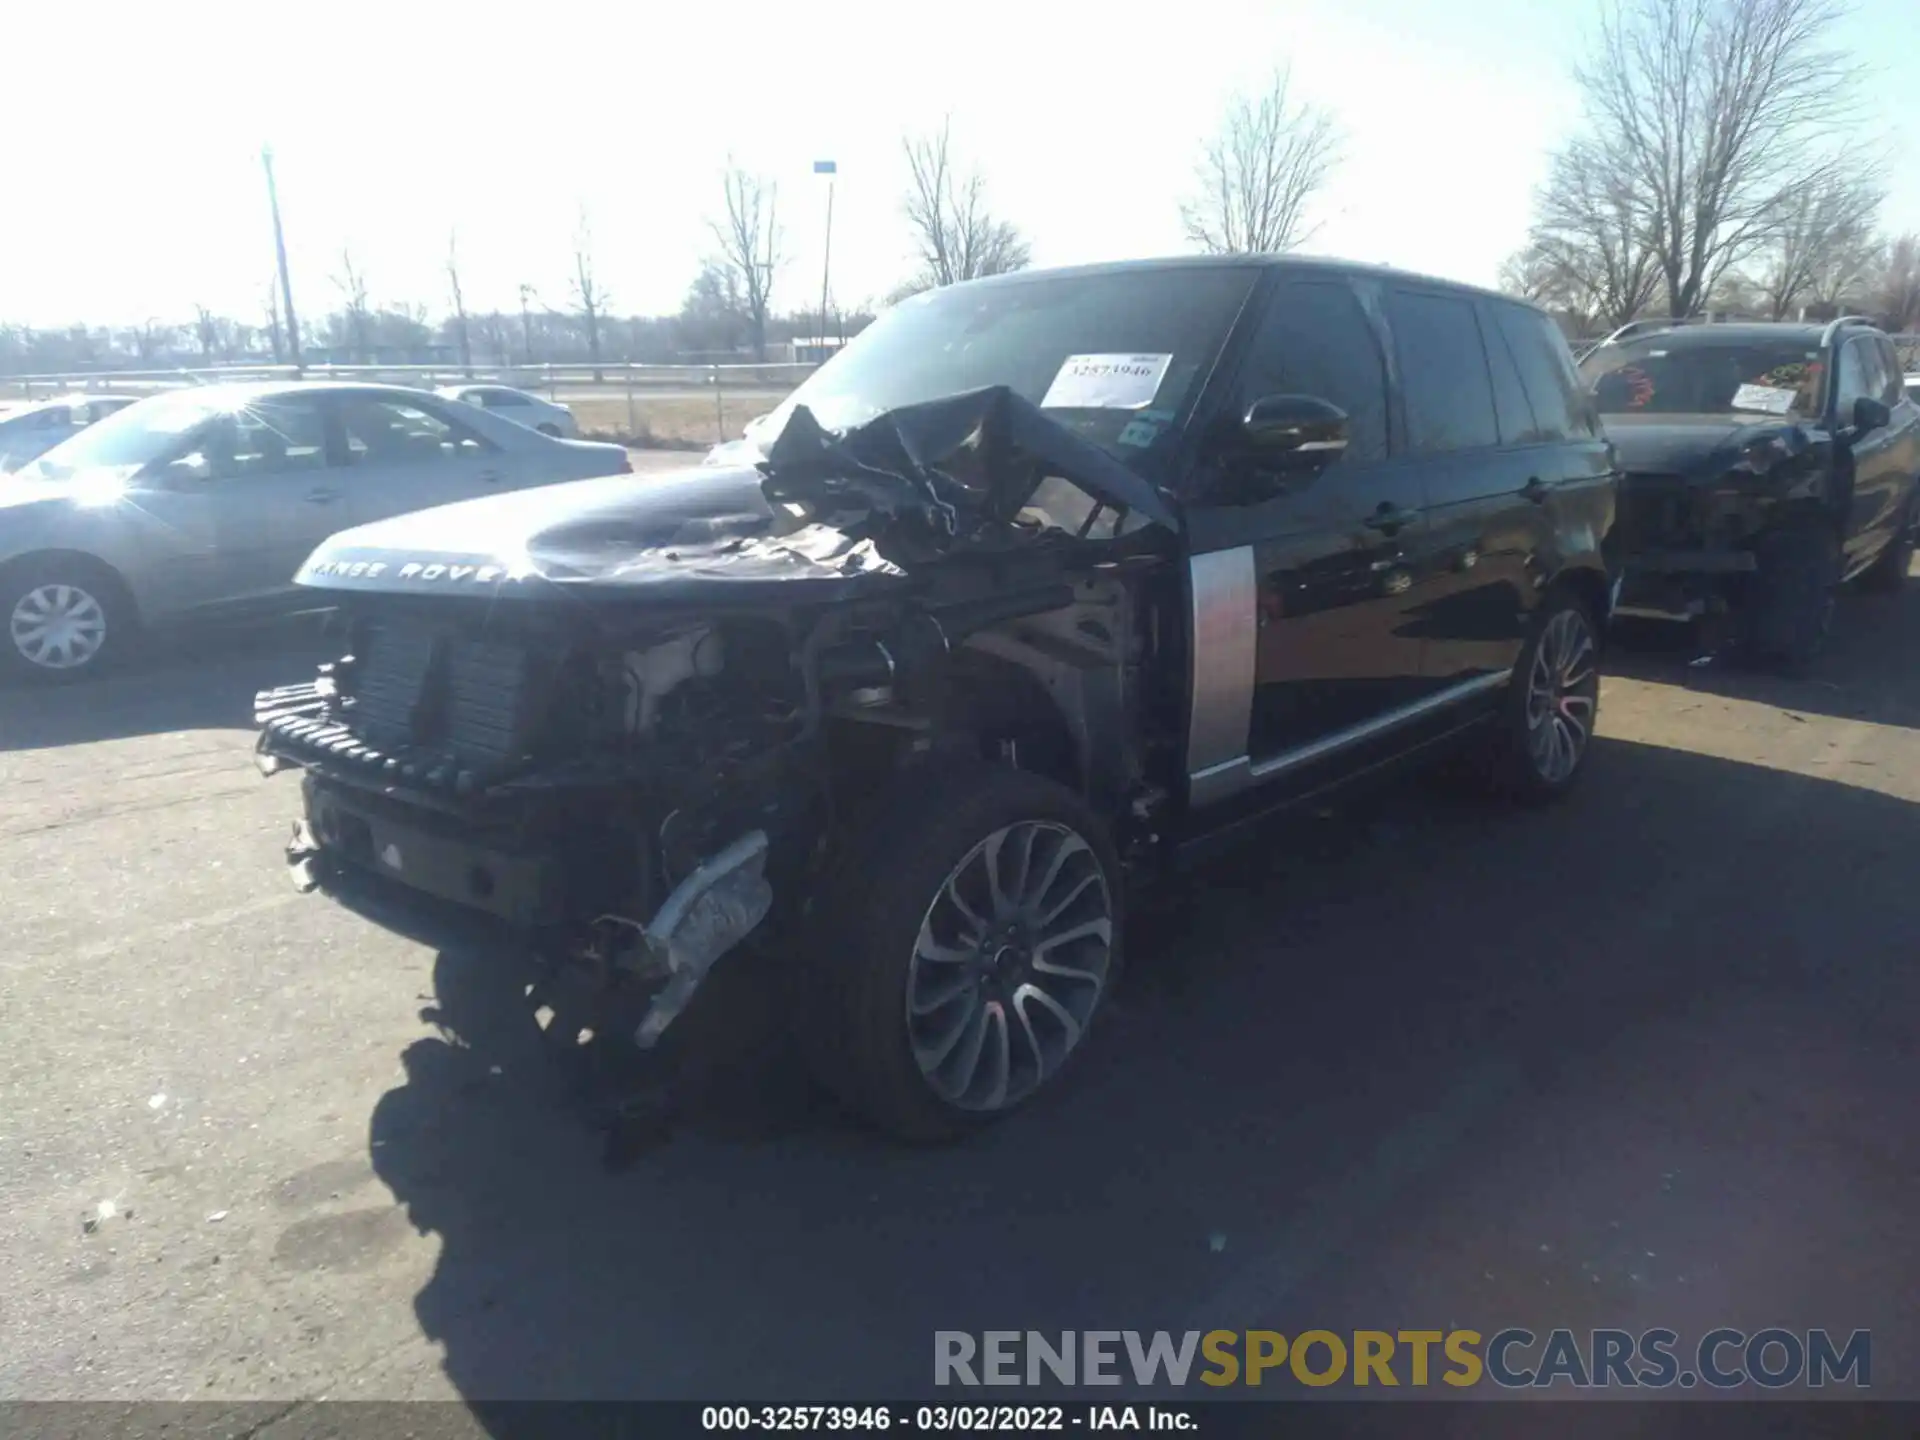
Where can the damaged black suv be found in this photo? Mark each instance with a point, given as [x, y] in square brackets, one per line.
[1045, 583]
[1765, 464]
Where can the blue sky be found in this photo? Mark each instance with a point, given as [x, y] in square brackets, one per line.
[133, 187]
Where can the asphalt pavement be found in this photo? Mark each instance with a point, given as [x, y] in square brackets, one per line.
[1648, 1057]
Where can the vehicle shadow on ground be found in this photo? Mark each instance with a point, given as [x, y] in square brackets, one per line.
[1861, 675]
[200, 681]
[1296, 1068]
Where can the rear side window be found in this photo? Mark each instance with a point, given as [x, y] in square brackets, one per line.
[1510, 405]
[1561, 409]
[1315, 340]
[1443, 373]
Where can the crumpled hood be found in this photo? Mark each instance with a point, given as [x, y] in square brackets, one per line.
[838, 511]
[1699, 445]
[700, 524]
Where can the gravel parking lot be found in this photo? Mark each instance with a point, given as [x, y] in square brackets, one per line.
[1647, 1058]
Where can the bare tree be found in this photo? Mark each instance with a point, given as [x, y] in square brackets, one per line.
[957, 236]
[1895, 293]
[1709, 115]
[460, 328]
[352, 285]
[750, 247]
[588, 294]
[1257, 175]
[1589, 239]
[1823, 243]
[206, 330]
[149, 338]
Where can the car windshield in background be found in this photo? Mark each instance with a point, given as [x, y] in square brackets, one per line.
[1118, 357]
[1657, 377]
[137, 435]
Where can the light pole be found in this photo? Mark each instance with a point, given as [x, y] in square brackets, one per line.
[830, 169]
[280, 253]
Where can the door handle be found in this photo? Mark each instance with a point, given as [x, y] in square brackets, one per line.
[1535, 491]
[320, 495]
[490, 477]
[1390, 518]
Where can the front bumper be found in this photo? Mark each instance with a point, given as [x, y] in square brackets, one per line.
[1679, 584]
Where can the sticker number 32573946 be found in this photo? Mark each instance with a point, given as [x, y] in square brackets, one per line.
[1106, 382]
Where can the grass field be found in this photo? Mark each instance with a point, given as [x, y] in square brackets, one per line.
[673, 422]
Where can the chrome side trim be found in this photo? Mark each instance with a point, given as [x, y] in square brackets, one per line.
[1220, 781]
[1224, 625]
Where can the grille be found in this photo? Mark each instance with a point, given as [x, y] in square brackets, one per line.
[417, 686]
[1655, 512]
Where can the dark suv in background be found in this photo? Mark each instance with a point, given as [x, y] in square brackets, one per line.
[1045, 583]
[1765, 465]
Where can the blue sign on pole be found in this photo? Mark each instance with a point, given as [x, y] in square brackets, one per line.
[825, 167]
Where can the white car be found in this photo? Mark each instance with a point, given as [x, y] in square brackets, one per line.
[29, 431]
[510, 404]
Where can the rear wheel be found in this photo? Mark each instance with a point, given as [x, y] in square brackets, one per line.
[1546, 719]
[1889, 573]
[65, 619]
[964, 950]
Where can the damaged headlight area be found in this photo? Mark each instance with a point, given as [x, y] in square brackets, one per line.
[635, 750]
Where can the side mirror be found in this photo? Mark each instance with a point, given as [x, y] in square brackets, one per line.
[1306, 426]
[1870, 414]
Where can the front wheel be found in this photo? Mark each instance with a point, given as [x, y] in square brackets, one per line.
[966, 948]
[1546, 719]
[65, 620]
[1789, 611]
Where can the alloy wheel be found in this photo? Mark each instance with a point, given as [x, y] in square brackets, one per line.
[58, 627]
[1012, 958]
[1563, 690]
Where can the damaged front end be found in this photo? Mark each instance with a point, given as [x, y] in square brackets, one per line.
[1693, 501]
[628, 718]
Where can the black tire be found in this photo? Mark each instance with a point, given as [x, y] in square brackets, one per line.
[1888, 574]
[1544, 729]
[853, 987]
[87, 592]
[1790, 597]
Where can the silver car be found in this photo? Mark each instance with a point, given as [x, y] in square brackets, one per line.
[29, 431]
[202, 503]
[517, 405]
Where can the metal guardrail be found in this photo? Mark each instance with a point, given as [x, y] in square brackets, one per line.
[613, 376]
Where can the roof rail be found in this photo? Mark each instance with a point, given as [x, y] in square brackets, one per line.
[1634, 327]
[1838, 323]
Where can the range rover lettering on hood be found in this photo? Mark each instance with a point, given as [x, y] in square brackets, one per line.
[840, 512]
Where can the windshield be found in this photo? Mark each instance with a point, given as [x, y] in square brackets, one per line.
[1118, 357]
[140, 434]
[1656, 376]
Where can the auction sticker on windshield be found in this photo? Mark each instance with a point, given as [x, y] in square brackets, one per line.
[1764, 398]
[1106, 382]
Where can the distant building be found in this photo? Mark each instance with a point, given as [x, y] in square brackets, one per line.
[812, 349]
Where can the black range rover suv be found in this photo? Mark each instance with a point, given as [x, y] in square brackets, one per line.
[1045, 583]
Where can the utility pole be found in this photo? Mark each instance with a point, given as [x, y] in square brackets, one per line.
[830, 169]
[280, 254]
[526, 322]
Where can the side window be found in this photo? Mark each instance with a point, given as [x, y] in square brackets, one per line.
[1510, 406]
[1860, 375]
[391, 432]
[1561, 408]
[269, 437]
[1443, 372]
[54, 417]
[1315, 340]
[1890, 359]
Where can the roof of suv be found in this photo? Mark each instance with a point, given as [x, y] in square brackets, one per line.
[1248, 262]
[1681, 335]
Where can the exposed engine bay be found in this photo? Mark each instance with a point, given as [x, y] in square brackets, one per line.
[640, 777]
